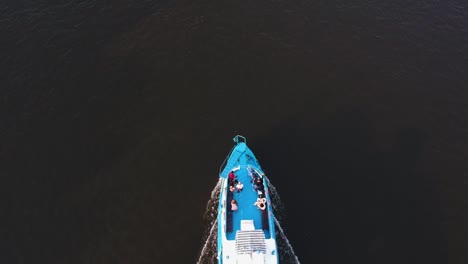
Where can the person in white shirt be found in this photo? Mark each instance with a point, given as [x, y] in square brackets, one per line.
[239, 186]
[234, 205]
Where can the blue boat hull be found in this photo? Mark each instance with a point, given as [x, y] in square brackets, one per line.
[246, 232]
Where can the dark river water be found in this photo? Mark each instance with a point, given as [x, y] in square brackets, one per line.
[116, 115]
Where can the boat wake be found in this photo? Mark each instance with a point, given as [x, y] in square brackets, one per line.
[208, 252]
[278, 206]
[287, 255]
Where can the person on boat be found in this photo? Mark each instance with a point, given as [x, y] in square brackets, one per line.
[260, 194]
[252, 173]
[231, 176]
[257, 184]
[239, 186]
[258, 181]
[234, 204]
[232, 188]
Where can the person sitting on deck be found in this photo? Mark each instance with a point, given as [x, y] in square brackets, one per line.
[251, 173]
[234, 205]
[260, 194]
[258, 181]
[231, 176]
[239, 186]
[258, 184]
[231, 188]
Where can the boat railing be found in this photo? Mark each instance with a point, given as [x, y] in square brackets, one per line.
[255, 172]
[236, 139]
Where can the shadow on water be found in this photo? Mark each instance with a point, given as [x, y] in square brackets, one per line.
[349, 197]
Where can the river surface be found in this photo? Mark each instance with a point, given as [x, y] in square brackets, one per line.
[116, 115]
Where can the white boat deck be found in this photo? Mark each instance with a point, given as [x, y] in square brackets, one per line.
[250, 241]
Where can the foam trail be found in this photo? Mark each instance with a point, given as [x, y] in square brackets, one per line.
[287, 253]
[208, 252]
[278, 206]
[211, 211]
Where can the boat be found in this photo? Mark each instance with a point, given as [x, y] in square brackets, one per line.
[246, 227]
